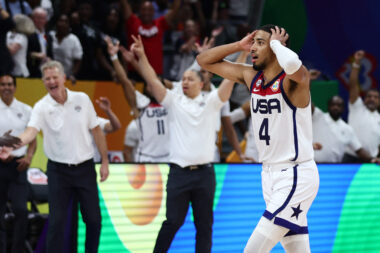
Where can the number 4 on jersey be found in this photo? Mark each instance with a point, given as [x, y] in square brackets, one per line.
[263, 132]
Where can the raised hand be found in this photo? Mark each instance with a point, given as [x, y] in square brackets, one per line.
[279, 34]
[111, 47]
[358, 56]
[246, 42]
[104, 103]
[207, 44]
[8, 140]
[137, 47]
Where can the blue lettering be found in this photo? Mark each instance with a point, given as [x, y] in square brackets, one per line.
[264, 106]
[156, 112]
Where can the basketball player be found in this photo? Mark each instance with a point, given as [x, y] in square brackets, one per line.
[282, 126]
[150, 116]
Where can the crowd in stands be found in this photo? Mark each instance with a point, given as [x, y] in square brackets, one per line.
[173, 32]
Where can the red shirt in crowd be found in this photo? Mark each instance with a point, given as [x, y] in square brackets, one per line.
[152, 38]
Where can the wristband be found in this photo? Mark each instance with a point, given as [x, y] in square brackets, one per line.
[114, 57]
[355, 65]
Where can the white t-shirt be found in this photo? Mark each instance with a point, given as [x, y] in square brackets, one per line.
[19, 58]
[15, 117]
[192, 127]
[67, 51]
[366, 125]
[132, 137]
[66, 128]
[335, 136]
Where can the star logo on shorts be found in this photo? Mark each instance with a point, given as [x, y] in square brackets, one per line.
[296, 211]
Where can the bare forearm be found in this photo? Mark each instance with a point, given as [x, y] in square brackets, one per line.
[217, 54]
[231, 135]
[101, 143]
[28, 135]
[31, 149]
[114, 120]
[354, 84]
[225, 89]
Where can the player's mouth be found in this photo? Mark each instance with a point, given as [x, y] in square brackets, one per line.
[254, 58]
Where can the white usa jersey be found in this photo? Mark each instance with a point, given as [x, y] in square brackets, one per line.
[283, 132]
[154, 133]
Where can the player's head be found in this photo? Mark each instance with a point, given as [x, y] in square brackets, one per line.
[192, 83]
[146, 12]
[335, 107]
[7, 88]
[262, 54]
[372, 99]
[53, 77]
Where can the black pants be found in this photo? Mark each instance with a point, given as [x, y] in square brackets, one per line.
[185, 186]
[64, 183]
[13, 184]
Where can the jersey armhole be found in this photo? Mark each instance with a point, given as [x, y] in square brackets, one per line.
[254, 80]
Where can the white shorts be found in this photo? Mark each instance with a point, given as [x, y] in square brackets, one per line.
[289, 190]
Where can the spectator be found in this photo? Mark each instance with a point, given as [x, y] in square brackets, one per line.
[14, 7]
[89, 38]
[45, 4]
[185, 50]
[334, 136]
[108, 125]
[67, 48]
[113, 27]
[13, 181]
[17, 43]
[363, 114]
[150, 116]
[151, 30]
[6, 24]
[39, 43]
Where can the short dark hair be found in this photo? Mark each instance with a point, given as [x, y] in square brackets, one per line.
[199, 74]
[12, 76]
[267, 28]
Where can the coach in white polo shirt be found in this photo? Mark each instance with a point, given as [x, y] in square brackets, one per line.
[193, 120]
[335, 135]
[65, 118]
[13, 181]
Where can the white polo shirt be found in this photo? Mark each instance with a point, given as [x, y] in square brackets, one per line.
[14, 117]
[192, 124]
[67, 138]
[336, 137]
[366, 125]
[132, 137]
[224, 112]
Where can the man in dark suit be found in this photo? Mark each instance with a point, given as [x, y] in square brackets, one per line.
[39, 43]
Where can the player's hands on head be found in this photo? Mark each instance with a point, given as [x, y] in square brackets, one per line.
[246, 42]
[279, 34]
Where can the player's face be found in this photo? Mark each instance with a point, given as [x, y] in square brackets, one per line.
[54, 81]
[7, 88]
[336, 108]
[260, 50]
[372, 100]
[191, 84]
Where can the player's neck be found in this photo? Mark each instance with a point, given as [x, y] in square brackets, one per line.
[271, 71]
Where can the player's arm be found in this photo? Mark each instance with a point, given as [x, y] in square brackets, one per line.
[231, 135]
[297, 74]
[143, 66]
[213, 60]
[353, 81]
[126, 83]
[114, 123]
[101, 144]
[28, 135]
[128, 154]
[24, 162]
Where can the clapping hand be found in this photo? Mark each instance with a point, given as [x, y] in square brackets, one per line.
[8, 140]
